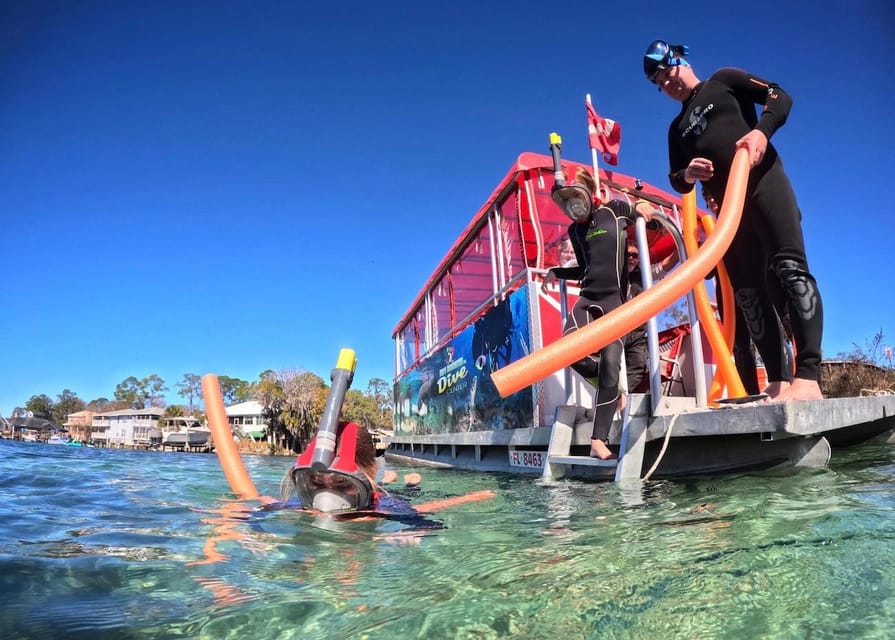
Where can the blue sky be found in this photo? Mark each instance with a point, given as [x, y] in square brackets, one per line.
[231, 187]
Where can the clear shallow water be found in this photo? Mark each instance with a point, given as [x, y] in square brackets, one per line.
[114, 544]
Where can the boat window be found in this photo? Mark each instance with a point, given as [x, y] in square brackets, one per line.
[554, 227]
[511, 238]
[441, 306]
[473, 278]
[409, 344]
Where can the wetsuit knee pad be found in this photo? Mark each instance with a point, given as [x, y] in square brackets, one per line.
[749, 303]
[800, 287]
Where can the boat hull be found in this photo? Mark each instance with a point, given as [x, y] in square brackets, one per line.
[734, 439]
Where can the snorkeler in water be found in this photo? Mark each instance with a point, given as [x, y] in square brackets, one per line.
[335, 474]
[334, 478]
[349, 483]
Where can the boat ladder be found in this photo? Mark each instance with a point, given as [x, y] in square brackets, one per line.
[631, 440]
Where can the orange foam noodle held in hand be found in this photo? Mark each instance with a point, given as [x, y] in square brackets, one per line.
[228, 455]
[596, 335]
[723, 359]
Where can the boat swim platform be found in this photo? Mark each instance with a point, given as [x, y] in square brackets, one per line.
[700, 441]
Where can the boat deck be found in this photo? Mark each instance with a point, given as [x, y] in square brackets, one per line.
[700, 440]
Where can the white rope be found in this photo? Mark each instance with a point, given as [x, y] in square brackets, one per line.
[662, 451]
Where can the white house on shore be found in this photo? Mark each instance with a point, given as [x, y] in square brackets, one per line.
[147, 427]
[125, 427]
[247, 420]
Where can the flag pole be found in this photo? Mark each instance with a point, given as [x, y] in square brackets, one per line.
[593, 152]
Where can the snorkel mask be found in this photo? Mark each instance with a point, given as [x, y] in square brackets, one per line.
[661, 55]
[339, 486]
[324, 481]
[574, 199]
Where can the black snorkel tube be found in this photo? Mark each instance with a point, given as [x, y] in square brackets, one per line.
[555, 148]
[324, 481]
[574, 199]
[341, 377]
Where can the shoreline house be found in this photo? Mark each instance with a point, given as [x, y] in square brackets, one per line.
[79, 425]
[247, 420]
[24, 425]
[125, 427]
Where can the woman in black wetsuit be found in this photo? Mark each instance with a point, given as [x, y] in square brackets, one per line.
[599, 239]
[717, 118]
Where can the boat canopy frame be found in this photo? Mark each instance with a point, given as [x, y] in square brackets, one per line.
[516, 230]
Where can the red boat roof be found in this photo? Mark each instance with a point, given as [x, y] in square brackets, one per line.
[528, 161]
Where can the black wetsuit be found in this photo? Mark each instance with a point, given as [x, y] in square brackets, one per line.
[599, 244]
[636, 349]
[720, 111]
[743, 356]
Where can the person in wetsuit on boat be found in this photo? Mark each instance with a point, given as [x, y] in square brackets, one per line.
[743, 355]
[717, 118]
[599, 239]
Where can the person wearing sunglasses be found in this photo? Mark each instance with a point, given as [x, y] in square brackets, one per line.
[717, 118]
[658, 269]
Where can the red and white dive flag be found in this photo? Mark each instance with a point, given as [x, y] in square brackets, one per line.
[605, 135]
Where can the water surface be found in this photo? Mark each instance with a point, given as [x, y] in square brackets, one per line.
[99, 543]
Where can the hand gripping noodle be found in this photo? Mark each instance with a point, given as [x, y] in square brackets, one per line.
[326, 482]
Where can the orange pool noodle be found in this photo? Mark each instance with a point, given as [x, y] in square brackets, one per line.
[228, 455]
[723, 359]
[728, 321]
[594, 336]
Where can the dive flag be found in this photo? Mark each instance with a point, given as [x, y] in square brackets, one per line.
[605, 135]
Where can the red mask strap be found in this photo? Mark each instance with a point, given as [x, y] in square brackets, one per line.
[346, 461]
[304, 458]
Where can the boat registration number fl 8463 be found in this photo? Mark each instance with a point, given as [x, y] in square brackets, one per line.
[521, 458]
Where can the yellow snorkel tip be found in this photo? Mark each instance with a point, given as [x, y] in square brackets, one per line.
[347, 360]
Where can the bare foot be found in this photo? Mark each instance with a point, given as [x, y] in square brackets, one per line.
[598, 449]
[774, 389]
[800, 389]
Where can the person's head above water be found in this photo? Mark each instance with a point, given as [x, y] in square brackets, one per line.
[347, 483]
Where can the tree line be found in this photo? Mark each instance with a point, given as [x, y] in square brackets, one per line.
[292, 400]
[870, 370]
